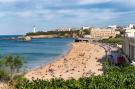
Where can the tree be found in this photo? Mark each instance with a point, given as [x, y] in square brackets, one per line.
[81, 33]
[86, 32]
[13, 63]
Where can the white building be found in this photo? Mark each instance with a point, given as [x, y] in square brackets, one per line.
[112, 26]
[85, 27]
[128, 45]
[131, 26]
[130, 30]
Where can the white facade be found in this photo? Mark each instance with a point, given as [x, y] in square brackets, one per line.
[131, 26]
[130, 31]
[85, 28]
[112, 26]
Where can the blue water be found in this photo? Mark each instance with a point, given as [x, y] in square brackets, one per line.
[37, 51]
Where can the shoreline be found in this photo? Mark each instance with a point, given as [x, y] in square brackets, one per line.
[57, 58]
[72, 57]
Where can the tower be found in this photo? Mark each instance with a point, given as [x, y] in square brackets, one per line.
[34, 28]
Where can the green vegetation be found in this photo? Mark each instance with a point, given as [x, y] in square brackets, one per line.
[114, 77]
[86, 32]
[113, 41]
[58, 33]
[74, 33]
[9, 67]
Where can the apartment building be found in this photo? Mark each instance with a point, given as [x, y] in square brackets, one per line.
[103, 33]
[130, 30]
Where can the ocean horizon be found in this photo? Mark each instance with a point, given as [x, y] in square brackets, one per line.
[35, 52]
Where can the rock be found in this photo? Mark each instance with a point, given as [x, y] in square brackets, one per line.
[27, 38]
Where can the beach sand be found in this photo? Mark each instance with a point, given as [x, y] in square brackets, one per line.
[4, 86]
[82, 60]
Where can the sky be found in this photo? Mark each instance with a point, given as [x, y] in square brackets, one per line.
[19, 16]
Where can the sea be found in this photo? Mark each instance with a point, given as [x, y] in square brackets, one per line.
[36, 52]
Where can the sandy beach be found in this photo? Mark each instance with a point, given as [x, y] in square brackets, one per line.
[82, 60]
[3, 86]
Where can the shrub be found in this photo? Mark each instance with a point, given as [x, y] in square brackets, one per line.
[114, 77]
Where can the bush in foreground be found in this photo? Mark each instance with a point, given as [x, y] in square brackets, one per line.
[114, 77]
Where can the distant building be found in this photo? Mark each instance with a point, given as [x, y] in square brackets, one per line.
[131, 26]
[85, 27]
[112, 26]
[87, 36]
[130, 30]
[128, 47]
[103, 33]
[63, 29]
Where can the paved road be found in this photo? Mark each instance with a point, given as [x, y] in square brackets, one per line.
[111, 52]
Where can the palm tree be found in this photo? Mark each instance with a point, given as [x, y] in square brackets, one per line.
[14, 63]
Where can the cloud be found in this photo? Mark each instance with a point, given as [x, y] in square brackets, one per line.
[66, 12]
[128, 2]
[12, 1]
[23, 14]
[71, 14]
[15, 14]
[106, 1]
[93, 1]
[58, 9]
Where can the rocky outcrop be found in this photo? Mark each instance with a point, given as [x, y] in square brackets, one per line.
[27, 38]
[43, 36]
